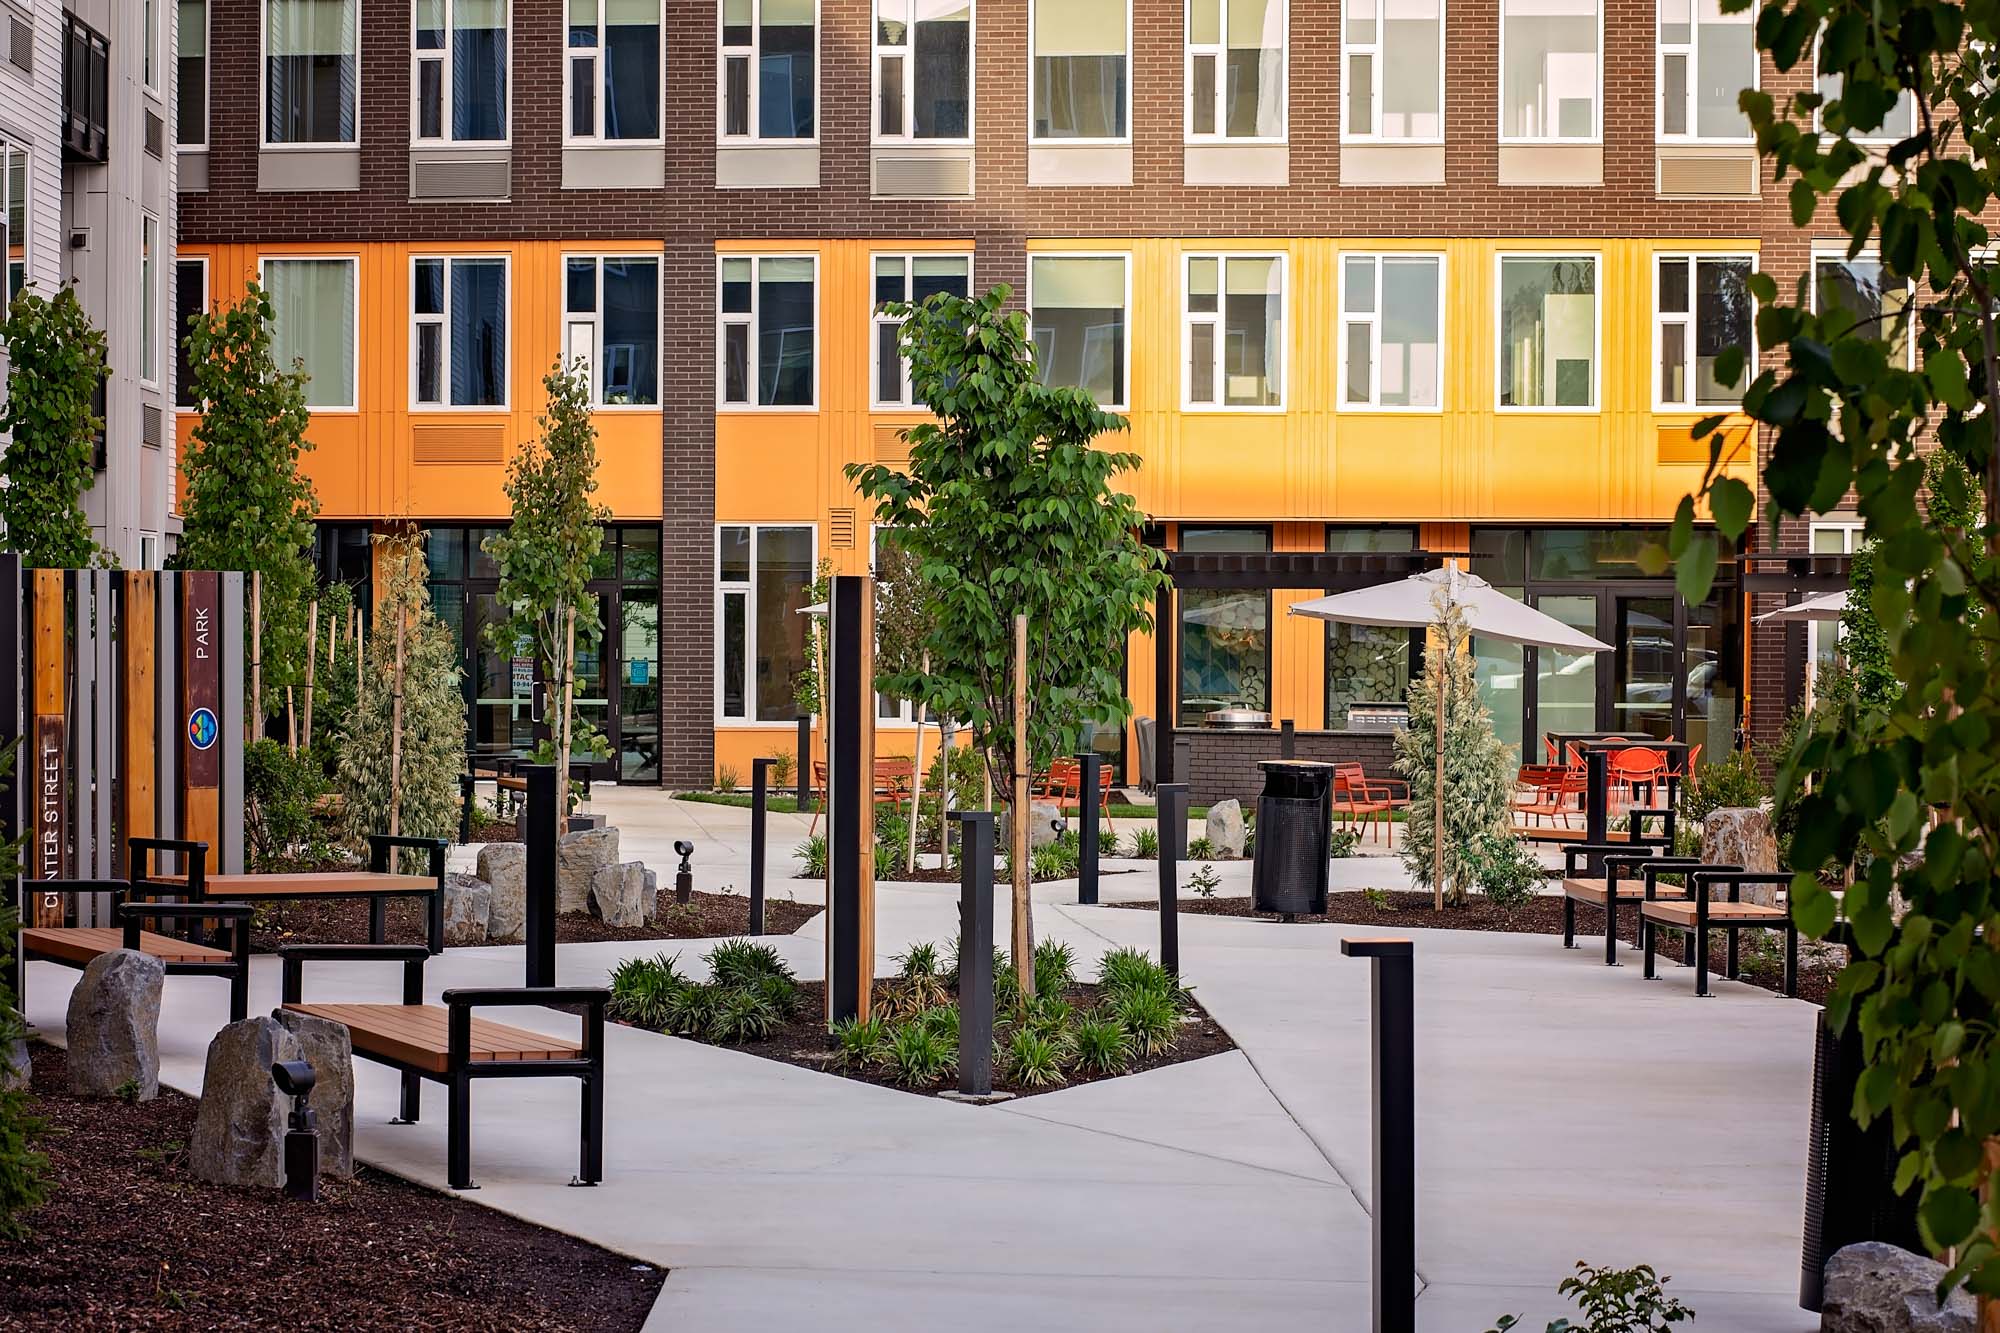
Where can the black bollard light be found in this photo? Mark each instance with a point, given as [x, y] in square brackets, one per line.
[295, 1078]
[1172, 798]
[542, 839]
[1392, 1003]
[804, 770]
[1091, 768]
[759, 799]
[975, 952]
[1288, 740]
[465, 801]
[684, 877]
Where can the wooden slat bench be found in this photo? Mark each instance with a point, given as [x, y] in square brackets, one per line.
[377, 884]
[447, 1044]
[1699, 914]
[76, 946]
[1614, 890]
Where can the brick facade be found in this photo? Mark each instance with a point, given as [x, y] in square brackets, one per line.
[1223, 764]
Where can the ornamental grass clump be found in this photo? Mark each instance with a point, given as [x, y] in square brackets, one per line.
[917, 1056]
[1101, 1045]
[1035, 1059]
[752, 994]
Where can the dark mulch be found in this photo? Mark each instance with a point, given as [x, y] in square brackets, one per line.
[804, 1042]
[705, 915]
[128, 1239]
[1542, 915]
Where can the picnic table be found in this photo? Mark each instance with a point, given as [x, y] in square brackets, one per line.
[376, 885]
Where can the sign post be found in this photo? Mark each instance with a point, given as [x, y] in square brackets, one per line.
[201, 707]
[48, 758]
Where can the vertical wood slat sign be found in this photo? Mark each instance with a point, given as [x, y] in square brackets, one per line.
[850, 703]
[48, 845]
[137, 716]
[201, 707]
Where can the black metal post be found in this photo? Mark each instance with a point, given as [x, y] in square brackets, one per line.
[803, 773]
[975, 952]
[1596, 803]
[465, 799]
[1091, 766]
[542, 841]
[1173, 842]
[1392, 1002]
[844, 817]
[759, 777]
[1288, 740]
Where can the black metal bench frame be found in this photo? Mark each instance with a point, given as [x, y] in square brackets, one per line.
[129, 914]
[1700, 883]
[1613, 855]
[460, 1067]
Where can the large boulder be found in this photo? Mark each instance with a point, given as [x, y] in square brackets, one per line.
[1042, 817]
[15, 1067]
[649, 894]
[1877, 1288]
[579, 856]
[504, 867]
[328, 1048]
[239, 1128]
[468, 906]
[1225, 828]
[1742, 836]
[114, 1026]
[617, 894]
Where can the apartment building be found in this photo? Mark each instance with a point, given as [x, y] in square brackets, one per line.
[1390, 277]
[86, 171]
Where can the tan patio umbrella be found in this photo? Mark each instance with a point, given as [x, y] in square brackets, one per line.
[1826, 606]
[1420, 602]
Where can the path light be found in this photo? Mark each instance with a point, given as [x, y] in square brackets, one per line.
[684, 877]
[295, 1078]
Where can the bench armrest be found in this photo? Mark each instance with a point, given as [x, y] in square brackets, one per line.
[382, 846]
[1571, 851]
[201, 911]
[516, 996]
[142, 856]
[73, 888]
[1734, 877]
[292, 958]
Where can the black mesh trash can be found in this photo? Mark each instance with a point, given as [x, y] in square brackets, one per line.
[1294, 825]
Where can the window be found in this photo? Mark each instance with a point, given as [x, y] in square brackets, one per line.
[150, 64]
[1877, 303]
[1391, 331]
[1235, 330]
[912, 279]
[1236, 69]
[191, 75]
[1899, 124]
[1077, 304]
[1550, 78]
[611, 322]
[769, 321]
[1394, 58]
[1078, 85]
[460, 75]
[923, 69]
[1833, 538]
[1366, 664]
[86, 92]
[1707, 57]
[763, 581]
[770, 50]
[149, 299]
[459, 335]
[1225, 634]
[190, 300]
[311, 71]
[1548, 331]
[149, 550]
[313, 325]
[614, 70]
[14, 182]
[1702, 305]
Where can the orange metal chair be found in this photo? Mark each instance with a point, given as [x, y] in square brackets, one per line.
[1629, 770]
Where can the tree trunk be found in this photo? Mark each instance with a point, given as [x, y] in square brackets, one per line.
[567, 710]
[944, 793]
[1024, 930]
[396, 731]
[312, 660]
[253, 719]
[291, 722]
[916, 783]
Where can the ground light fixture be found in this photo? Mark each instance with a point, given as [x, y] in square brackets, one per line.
[295, 1078]
[684, 877]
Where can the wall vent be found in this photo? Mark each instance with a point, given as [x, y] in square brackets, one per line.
[1733, 176]
[152, 425]
[21, 42]
[924, 177]
[483, 177]
[156, 135]
[840, 530]
[458, 444]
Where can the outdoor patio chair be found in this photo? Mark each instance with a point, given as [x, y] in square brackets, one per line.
[1699, 914]
[1548, 791]
[76, 946]
[1622, 883]
[1359, 798]
[1629, 770]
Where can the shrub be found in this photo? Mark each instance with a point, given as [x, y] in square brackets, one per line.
[1378, 899]
[1146, 844]
[942, 1019]
[1121, 971]
[725, 778]
[921, 978]
[780, 992]
[1730, 782]
[1034, 1059]
[643, 990]
[689, 1009]
[1342, 843]
[1055, 967]
[1101, 1045]
[1047, 862]
[813, 852]
[1614, 1300]
[1204, 881]
[916, 1056]
[1507, 872]
[742, 1013]
[280, 824]
[1049, 1015]
[743, 962]
[967, 778]
[1201, 849]
[783, 770]
[1152, 1017]
[858, 1041]
[23, 1183]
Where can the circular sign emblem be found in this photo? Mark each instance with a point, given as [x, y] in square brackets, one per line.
[202, 728]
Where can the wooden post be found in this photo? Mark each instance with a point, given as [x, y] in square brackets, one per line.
[917, 783]
[291, 722]
[396, 731]
[1017, 828]
[137, 719]
[567, 715]
[253, 716]
[312, 660]
[50, 723]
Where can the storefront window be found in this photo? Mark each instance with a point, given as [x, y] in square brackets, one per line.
[1366, 664]
[1225, 634]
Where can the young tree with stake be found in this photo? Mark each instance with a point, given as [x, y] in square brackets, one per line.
[55, 358]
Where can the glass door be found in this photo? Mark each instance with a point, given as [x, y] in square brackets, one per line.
[503, 683]
[1566, 683]
[638, 685]
[1644, 665]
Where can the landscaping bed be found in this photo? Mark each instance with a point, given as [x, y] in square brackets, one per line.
[1130, 1019]
[1761, 952]
[704, 916]
[128, 1239]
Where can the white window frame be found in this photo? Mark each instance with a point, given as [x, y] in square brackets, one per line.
[1691, 50]
[722, 321]
[1875, 140]
[1693, 318]
[1837, 251]
[1500, 92]
[1219, 51]
[905, 716]
[1596, 405]
[443, 57]
[507, 342]
[1123, 256]
[9, 145]
[753, 53]
[1130, 81]
[264, 89]
[353, 259]
[1374, 321]
[207, 83]
[908, 52]
[1189, 319]
[749, 591]
[1853, 531]
[207, 300]
[1374, 134]
[150, 372]
[876, 319]
[152, 61]
[149, 551]
[569, 58]
[595, 319]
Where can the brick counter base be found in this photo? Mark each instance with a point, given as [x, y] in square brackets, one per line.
[1222, 764]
